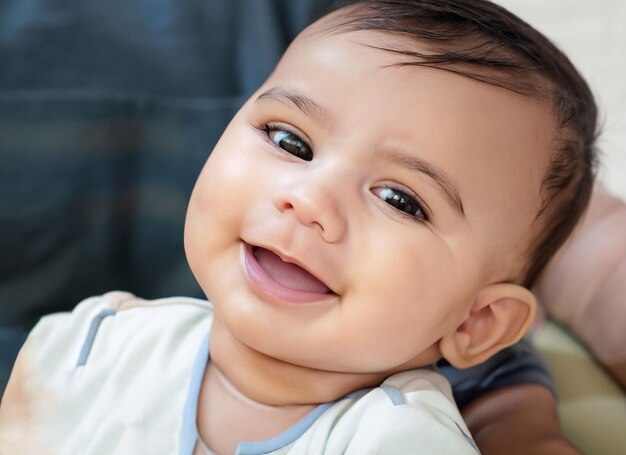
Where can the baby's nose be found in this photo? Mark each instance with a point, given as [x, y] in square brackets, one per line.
[315, 206]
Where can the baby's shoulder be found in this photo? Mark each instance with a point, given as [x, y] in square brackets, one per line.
[408, 410]
[120, 301]
[114, 322]
[113, 363]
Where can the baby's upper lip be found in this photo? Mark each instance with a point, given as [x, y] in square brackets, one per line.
[293, 260]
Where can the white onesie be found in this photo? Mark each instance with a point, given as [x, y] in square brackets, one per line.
[121, 375]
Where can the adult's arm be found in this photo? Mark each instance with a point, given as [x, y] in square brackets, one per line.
[520, 419]
[584, 286]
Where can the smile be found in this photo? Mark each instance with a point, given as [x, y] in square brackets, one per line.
[281, 281]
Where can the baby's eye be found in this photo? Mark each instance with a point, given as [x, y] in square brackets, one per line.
[290, 142]
[401, 201]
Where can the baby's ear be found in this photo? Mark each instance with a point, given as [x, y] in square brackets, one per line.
[500, 316]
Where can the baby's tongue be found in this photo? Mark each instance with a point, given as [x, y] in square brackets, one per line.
[289, 275]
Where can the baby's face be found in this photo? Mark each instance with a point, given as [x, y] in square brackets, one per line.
[352, 210]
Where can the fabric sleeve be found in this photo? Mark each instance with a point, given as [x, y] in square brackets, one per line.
[51, 350]
[411, 412]
[424, 427]
[516, 365]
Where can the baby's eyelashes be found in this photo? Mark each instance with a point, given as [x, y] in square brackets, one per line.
[289, 142]
[402, 202]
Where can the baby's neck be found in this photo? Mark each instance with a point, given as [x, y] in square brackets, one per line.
[227, 417]
[270, 381]
[248, 396]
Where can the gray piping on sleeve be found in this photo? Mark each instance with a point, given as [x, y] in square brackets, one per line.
[91, 335]
[468, 438]
[396, 397]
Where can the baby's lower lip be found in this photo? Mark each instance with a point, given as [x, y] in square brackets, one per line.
[267, 287]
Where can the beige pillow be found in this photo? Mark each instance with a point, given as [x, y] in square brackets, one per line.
[592, 406]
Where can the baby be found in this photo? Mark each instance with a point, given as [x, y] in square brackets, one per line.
[383, 201]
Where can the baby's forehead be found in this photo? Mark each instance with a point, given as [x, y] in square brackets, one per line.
[389, 52]
[446, 41]
[389, 57]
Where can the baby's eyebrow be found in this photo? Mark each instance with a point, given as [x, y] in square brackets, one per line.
[303, 102]
[447, 186]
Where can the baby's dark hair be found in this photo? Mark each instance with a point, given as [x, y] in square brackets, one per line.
[483, 41]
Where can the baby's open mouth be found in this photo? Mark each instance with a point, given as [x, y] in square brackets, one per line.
[287, 274]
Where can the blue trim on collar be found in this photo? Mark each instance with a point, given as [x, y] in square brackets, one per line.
[189, 430]
[91, 335]
[395, 395]
[286, 437]
[297, 429]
